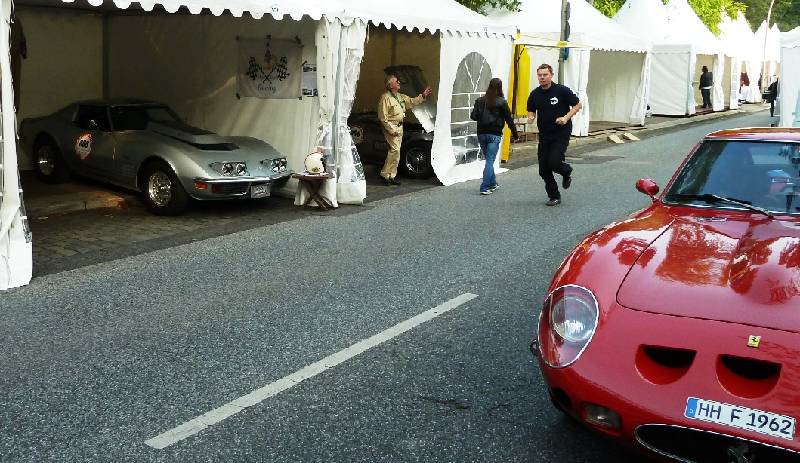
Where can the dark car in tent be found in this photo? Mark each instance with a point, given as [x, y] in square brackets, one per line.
[415, 152]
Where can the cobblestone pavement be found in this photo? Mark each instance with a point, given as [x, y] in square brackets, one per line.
[68, 241]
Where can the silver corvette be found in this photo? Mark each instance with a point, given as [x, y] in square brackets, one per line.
[144, 146]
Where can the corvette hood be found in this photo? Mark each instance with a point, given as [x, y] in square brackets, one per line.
[198, 138]
[742, 271]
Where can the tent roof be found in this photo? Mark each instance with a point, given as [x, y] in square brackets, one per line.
[771, 49]
[587, 25]
[791, 39]
[737, 37]
[673, 24]
[435, 15]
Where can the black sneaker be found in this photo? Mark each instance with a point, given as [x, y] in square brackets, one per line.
[394, 181]
[567, 181]
[553, 202]
[386, 181]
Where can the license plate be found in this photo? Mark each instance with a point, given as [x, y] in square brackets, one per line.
[745, 418]
[259, 191]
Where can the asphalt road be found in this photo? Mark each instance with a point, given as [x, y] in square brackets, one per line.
[100, 359]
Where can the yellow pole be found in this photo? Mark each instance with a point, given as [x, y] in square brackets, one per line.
[518, 85]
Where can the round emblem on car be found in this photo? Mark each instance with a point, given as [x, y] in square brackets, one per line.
[357, 134]
[83, 146]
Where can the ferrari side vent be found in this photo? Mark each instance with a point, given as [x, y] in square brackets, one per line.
[746, 377]
[695, 446]
[663, 365]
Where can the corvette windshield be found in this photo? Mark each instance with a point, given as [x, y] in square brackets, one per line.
[137, 117]
[765, 175]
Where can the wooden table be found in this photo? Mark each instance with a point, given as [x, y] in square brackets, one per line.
[312, 183]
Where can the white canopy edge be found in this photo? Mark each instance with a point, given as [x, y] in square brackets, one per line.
[440, 15]
[791, 39]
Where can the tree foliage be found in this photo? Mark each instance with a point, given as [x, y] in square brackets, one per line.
[786, 13]
[482, 5]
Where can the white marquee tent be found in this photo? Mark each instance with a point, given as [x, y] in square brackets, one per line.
[740, 44]
[108, 50]
[768, 49]
[609, 71]
[682, 44]
[790, 79]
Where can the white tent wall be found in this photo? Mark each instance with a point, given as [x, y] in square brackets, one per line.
[789, 91]
[197, 75]
[614, 81]
[576, 77]
[732, 70]
[58, 72]
[16, 250]
[671, 92]
[392, 47]
[454, 49]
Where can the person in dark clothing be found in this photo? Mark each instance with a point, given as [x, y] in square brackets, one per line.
[706, 84]
[553, 105]
[773, 95]
[492, 113]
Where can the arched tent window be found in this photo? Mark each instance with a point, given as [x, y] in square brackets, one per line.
[472, 79]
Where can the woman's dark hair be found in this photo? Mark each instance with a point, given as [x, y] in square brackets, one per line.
[705, 68]
[494, 91]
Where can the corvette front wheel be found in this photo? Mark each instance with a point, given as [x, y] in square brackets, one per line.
[162, 192]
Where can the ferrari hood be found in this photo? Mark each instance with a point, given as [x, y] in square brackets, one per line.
[199, 138]
[741, 271]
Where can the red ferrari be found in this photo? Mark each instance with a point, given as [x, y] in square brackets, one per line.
[677, 330]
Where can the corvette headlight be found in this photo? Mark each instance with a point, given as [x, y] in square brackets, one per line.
[566, 325]
[230, 169]
[277, 164]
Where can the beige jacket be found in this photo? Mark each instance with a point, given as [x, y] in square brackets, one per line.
[391, 110]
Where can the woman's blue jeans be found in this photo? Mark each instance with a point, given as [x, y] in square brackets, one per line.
[490, 145]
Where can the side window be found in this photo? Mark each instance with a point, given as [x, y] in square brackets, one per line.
[93, 118]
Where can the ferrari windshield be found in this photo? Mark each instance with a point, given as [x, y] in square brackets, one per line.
[765, 175]
[136, 117]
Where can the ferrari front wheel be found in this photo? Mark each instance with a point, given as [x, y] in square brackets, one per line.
[162, 192]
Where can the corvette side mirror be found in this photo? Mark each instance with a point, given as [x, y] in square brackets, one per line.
[648, 187]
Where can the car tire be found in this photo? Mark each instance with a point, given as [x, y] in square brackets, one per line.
[49, 163]
[415, 161]
[161, 191]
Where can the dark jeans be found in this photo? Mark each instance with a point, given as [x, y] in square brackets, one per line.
[772, 108]
[706, 92]
[551, 155]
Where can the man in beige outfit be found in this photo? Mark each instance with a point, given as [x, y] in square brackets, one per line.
[392, 107]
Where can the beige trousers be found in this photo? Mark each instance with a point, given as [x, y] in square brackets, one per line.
[393, 156]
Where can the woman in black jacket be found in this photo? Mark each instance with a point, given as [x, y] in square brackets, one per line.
[491, 112]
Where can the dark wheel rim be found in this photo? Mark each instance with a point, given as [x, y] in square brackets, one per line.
[46, 160]
[417, 161]
[159, 188]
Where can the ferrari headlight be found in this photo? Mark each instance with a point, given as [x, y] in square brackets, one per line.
[230, 169]
[574, 318]
[566, 325]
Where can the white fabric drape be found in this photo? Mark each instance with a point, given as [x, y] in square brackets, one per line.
[576, 77]
[789, 91]
[718, 95]
[454, 48]
[671, 91]
[16, 258]
[616, 86]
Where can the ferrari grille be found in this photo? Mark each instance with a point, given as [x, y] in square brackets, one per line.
[693, 445]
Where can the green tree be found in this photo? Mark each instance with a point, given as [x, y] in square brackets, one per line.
[482, 5]
[785, 13]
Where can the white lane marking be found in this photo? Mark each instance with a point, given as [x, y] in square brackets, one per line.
[219, 414]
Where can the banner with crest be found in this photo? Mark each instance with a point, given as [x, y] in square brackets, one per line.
[270, 68]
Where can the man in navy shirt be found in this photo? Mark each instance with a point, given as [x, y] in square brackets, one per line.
[553, 105]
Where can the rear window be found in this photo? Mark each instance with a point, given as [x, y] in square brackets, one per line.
[763, 174]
